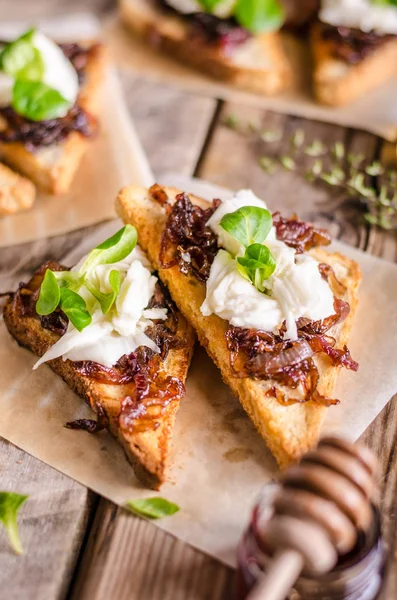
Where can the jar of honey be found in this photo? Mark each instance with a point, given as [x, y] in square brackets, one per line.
[357, 576]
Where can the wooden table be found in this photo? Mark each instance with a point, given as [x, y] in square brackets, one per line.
[78, 545]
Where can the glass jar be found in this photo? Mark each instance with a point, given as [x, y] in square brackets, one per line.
[357, 576]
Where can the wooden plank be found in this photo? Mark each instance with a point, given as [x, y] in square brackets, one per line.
[172, 125]
[127, 558]
[53, 521]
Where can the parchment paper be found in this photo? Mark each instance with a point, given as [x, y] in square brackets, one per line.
[375, 111]
[113, 159]
[220, 463]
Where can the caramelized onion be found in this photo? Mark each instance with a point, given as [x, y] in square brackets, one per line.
[90, 425]
[154, 391]
[187, 241]
[299, 235]
[327, 273]
[268, 356]
[268, 364]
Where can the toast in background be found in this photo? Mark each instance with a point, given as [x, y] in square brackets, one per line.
[147, 448]
[259, 64]
[291, 430]
[16, 192]
[53, 167]
[337, 81]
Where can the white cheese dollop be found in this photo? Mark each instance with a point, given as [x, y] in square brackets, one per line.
[122, 330]
[360, 14]
[235, 299]
[296, 288]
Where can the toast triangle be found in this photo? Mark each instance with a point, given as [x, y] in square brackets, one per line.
[291, 430]
[148, 450]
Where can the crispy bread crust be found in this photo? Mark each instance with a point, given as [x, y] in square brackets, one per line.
[259, 65]
[337, 83]
[16, 192]
[148, 451]
[290, 430]
[52, 168]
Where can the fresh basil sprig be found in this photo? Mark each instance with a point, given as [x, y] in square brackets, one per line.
[153, 508]
[113, 250]
[209, 5]
[38, 101]
[50, 294]
[31, 96]
[60, 289]
[257, 264]
[10, 503]
[75, 309]
[260, 15]
[255, 15]
[250, 225]
[21, 59]
[107, 300]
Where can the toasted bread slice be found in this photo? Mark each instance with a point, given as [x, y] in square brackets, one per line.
[52, 168]
[336, 82]
[16, 192]
[289, 430]
[258, 65]
[148, 450]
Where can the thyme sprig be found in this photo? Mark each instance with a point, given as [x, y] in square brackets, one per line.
[346, 171]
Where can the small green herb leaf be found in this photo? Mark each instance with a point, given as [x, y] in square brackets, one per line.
[49, 294]
[21, 59]
[112, 250]
[75, 308]
[69, 279]
[37, 101]
[257, 264]
[153, 508]
[107, 300]
[209, 5]
[10, 503]
[248, 225]
[259, 15]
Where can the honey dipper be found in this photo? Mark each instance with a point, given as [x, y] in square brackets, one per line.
[323, 504]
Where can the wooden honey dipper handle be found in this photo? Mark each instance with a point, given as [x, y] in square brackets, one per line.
[327, 500]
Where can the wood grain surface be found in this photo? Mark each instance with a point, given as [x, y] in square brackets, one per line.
[79, 546]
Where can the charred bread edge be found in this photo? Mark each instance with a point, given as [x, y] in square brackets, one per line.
[150, 470]
[288, 430]
[171, 34]
[56, 179]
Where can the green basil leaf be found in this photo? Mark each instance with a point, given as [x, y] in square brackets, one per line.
[209, 5]
[69, 279]
[10, 503]
[153, 508]
[37, 101]
[257, 264]
[21, 59]
[248, 225]
[114, 249]
[75, 309]
[392, 2]
[260, 15]
[107, 300]
[49, 294]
